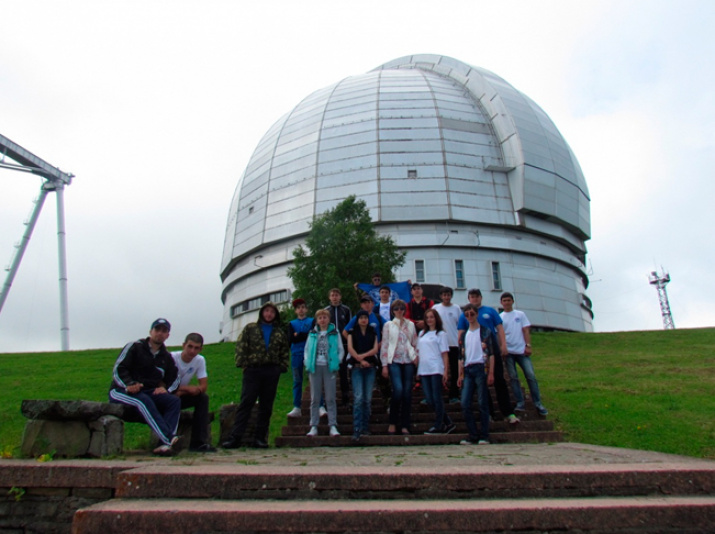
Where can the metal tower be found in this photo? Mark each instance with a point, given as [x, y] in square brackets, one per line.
[54, 180]
[660, 281]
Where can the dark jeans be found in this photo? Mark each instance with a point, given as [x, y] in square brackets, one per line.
[344, 381]
[453, 372]
[432, 387]
[476, 379]
[200, 422]
[402, 377]
[259, 383]
[501, 388]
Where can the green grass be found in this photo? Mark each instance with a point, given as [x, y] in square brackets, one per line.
[643, 390]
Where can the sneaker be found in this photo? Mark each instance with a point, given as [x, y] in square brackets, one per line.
[313, 431]
[520, 408]
[334, 431]
[423, 401]
[513, 419]
[455, 400]
[163, 450]
[434, 430]
[322, 411]
[356, 437]
[174, 442]
[450, 428]
[295, 412]
[468, 441]
[542, 410]
[483, 442]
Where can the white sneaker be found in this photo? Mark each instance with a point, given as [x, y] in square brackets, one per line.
[163, 450]
[295, 412]
[483, 442]
[322, 411]
[513, 419]
[334, 431]
[313, 431]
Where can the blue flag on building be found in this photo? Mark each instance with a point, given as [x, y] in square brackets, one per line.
[398, 290]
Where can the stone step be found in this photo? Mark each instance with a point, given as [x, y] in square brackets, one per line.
[346, 418]
[379, 425]
[222, 481]
[611, 514]
[345, 440]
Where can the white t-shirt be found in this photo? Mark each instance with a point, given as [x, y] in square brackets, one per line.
[450, 318]
[385, 310]
[514, 322]
[473, 352]
[197, 367]
[430, 347]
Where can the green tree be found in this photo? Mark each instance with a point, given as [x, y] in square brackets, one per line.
[342, 248]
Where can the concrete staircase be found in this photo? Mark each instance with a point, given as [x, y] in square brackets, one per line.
[625, 498]
[533, 428]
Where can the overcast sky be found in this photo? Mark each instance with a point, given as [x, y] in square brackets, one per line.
[156, 107]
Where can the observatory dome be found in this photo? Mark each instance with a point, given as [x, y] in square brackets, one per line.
[468, 175]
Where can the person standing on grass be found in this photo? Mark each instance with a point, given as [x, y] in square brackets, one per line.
[398, 357]
[449, 313]
[263, 352]
[489, 318]
[323, 354]
[145, 377]
[362, 361]
[517, 330]
[298, 330]
[433, 368]
[476, 372]
[192, 364]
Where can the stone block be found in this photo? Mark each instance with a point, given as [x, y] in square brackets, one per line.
[68, 439]
[69, 410]
[107, 437]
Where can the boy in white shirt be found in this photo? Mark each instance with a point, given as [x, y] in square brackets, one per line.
[476, 371]
[449, 313]
[190, 363]
[517, 329]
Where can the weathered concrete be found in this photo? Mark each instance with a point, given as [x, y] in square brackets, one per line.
[629, 514]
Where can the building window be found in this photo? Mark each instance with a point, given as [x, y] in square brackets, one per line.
[412, 173]
[459, 273]
[419, 271]
[277, 297]
[496, 276]
[250, 210]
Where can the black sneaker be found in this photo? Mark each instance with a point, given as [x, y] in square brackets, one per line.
[450, 428]
[206, 447]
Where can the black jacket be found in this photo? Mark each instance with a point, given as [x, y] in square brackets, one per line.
[136, 363]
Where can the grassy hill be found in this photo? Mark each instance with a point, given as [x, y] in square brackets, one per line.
[643, 390]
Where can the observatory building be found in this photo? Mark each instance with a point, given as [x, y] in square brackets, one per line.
[468, 175]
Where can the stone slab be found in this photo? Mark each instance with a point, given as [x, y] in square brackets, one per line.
[628, 514]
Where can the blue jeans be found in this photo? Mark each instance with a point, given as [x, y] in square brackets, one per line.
[363, 383]
[524, 362]
[476, 378]
[402, 377]
[432, 387]
[297, 386]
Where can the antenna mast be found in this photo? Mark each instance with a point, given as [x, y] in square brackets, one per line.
[54, 181]
[660, 281]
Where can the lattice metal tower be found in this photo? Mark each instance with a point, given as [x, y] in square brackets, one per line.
[660, 281]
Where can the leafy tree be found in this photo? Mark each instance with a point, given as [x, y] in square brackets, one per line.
[342, 248]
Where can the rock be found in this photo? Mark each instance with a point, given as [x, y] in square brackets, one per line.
[67, 439]
[69, 410]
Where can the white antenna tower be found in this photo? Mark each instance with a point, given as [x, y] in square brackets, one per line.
[660, 281]
[54, 180]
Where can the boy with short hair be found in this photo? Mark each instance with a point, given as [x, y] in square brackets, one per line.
[517, 329]
[340, 316]
[382, 308]
[449, 313]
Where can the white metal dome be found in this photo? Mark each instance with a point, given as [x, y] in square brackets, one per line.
[452, 161]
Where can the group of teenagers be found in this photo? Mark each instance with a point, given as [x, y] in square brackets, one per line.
[442, 345]
[445, 347]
